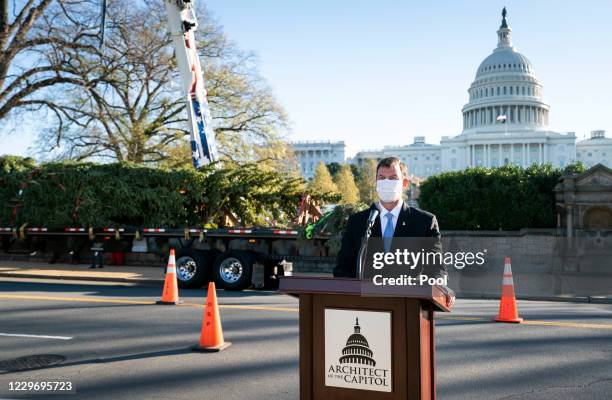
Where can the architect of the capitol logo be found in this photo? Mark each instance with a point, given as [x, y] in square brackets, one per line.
[357, 350]
[355, 366]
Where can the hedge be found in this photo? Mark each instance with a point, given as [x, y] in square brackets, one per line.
[505, 198]
[65, 194]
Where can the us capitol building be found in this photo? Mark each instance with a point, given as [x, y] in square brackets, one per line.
[504, 122]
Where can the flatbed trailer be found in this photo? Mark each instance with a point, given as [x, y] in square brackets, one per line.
[235, 258]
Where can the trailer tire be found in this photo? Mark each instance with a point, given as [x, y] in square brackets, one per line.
[233, 270]
[191, 268]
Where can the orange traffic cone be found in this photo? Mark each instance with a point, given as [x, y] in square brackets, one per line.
[211, 337]
[507, 305]
[170, 295]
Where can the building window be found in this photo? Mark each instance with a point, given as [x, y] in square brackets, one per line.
[523, 90]
[504, 90]
[511, 89]
[498, 90]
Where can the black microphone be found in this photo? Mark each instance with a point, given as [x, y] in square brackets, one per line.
[373, 214]
[364, 242]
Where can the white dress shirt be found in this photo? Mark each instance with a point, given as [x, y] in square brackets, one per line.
[383, 215]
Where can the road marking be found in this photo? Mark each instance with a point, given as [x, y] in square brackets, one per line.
[292, 309]
[36, 336]
[532, 322]
[79, 299]
[140, 302]
[459, 318]
[568, 324]
[262, 308]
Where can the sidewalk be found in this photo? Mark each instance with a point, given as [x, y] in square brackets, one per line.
[124, 274]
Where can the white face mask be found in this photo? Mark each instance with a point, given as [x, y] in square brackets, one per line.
[389, 190]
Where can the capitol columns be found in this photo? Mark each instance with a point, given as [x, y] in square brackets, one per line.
[472, 161]
[540, 155]
[528, 154]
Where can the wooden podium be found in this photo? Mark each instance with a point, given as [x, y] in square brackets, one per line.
[365, 342]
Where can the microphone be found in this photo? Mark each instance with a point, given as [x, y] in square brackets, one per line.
[373, 214]
[364, 242]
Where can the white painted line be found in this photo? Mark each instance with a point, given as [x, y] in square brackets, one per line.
[36, 336]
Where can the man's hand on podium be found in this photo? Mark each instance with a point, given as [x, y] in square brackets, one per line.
[450, 296]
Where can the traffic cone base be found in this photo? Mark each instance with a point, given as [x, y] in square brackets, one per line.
[213, 349]
[515, 320]
[168, 303]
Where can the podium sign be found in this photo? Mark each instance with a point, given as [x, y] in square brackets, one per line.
[356, 347]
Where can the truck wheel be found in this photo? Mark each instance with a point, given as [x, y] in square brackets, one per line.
[191, 268]
[233, 270]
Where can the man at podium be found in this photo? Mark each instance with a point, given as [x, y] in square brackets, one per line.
[391, 218]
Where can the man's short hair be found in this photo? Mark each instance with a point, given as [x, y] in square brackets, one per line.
[391, 161]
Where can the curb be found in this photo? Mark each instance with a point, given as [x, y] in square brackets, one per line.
[143, 281]
[566, 299]
[600, 299]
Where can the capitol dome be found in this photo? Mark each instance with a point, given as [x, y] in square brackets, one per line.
[506, 59]
[505, 90]
[357, 349]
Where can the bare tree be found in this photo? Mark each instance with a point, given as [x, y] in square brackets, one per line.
[130, 107]
[38, 40]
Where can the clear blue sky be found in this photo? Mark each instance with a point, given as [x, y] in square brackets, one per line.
[376, 73]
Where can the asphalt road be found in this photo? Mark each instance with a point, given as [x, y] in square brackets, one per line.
[118, 345]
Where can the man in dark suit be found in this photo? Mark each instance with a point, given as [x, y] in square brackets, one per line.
[396, 219]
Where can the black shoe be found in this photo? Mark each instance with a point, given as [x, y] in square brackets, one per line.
[100, 266]
[92, 267]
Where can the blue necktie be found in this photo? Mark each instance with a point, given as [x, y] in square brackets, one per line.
[388, 233]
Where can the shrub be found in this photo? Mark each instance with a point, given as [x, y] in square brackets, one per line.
[504, 198]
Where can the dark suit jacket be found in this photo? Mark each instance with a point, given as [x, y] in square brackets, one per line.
[412, 223]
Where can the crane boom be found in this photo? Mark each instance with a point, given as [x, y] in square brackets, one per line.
[182, 24]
